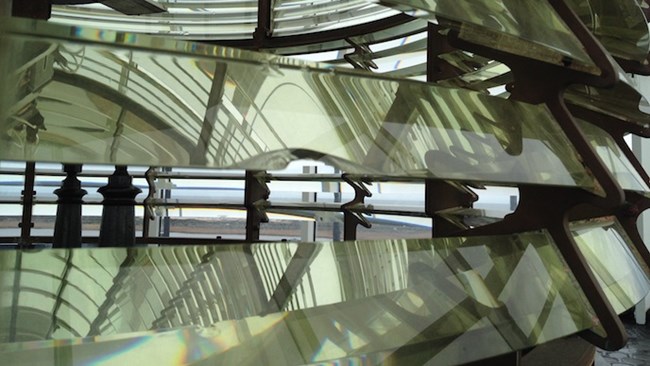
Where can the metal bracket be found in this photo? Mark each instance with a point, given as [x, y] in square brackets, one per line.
[353, 218]
[149, 214]
[362, 56]
[442, 195]
[256, 197]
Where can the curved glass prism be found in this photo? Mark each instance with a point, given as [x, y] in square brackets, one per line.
[626, 101]
[528, 28]
[224, 20]
[613, 157]
[409, 28]
[206, 19]
[291, 17]
[395, 301]
[621, 26]
[90, 97]
[608, 251]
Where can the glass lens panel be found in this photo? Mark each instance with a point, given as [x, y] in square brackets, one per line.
[613, 157]
[207, 19]
[92, 102]
[302, 225]
[624, 101]
[307, 50]
[528, 28]
[606, 247]
[394, 226]
[619, 25]
[197, 222]
[490, 75]
[298, 16]
[399, 301]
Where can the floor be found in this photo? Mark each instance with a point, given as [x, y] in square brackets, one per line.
[637, 351]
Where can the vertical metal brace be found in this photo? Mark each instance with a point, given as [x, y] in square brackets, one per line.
[437, 44]
[27, 199]
[256, 195]
[351, 219]
[264, 30]
[441, 195]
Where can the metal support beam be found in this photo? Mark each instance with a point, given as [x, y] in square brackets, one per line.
[437, 44]
[36, 9]
[264, 28]
[308, 229]
[28, 193]
[256, 193]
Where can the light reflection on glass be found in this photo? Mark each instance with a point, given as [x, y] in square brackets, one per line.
[607, 249]
[404, 301]
[529, 28]
[613, 157]
[160, 108]
[620, 26]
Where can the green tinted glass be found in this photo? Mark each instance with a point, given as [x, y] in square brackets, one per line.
[403, 301]
[619, 25]
[192, 19]
[625, 101]
[606, 247]
[613, 157]
[298, 17]
[528, 28]
[412, 27]
[488, 76]
[156, 102]
[467, 218]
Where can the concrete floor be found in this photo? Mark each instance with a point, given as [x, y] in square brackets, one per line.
[637, 351]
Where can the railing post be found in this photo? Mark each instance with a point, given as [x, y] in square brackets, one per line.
[67, 227]
[118, 217]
